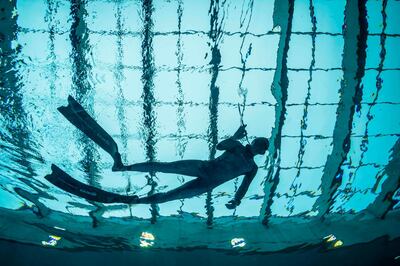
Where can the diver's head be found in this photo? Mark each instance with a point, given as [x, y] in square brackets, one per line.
[259, 146]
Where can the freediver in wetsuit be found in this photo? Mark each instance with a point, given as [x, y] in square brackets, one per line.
[236, 160]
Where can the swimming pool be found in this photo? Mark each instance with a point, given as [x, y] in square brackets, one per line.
[169, 80]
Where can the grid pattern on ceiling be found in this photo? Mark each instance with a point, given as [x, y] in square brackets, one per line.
[248, 50]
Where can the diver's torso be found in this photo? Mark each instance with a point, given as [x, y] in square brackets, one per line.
[229, 165]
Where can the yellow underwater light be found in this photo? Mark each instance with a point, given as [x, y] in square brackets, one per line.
[338, 243]
[55, 237]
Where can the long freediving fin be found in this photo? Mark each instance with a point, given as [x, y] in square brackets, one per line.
[75, 113]
[65, 182]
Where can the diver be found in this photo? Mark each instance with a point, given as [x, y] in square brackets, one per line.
[236, 160]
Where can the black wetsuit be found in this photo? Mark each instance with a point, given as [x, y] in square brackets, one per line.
[235, 161]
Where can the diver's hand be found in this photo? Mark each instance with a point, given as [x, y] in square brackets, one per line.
[240, 133]
[232, 204]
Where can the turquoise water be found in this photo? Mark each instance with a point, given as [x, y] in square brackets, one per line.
[319, 78]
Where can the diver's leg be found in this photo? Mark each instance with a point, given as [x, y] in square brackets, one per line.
[188, 190]
[184, 167]
[67, 183]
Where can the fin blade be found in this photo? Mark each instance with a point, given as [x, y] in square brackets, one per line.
[77, 115]
[67, 183]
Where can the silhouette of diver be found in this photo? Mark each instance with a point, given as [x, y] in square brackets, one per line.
[235, 161]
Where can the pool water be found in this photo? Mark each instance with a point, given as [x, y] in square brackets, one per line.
[168, 80]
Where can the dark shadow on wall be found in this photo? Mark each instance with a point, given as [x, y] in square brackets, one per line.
[378, 252]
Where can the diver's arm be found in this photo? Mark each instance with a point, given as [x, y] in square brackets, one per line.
[233, 142]
[242, 189]
[228, 144]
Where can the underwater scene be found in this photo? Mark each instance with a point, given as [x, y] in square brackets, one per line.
[239, 126]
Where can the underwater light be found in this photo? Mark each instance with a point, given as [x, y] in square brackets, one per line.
[147, 240]
[332, 241]
[238, 242]
[330, 238]
[52, 241]
[338, 243]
